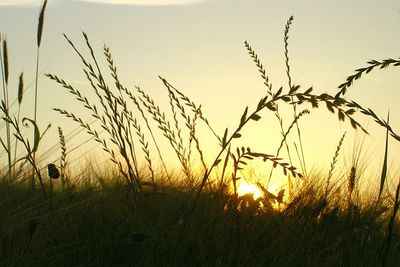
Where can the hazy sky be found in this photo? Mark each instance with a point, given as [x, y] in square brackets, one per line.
[198, 46]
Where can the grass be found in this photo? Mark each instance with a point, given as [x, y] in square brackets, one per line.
[103, 226]
[131, 215]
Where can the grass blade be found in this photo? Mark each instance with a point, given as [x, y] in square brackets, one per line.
[390, 226]
[384, 167]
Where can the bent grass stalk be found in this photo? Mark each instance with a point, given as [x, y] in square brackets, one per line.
[165, 126]
[299, 98]
[267, 83]
[190, 122]
[122, 88]
[286, 41]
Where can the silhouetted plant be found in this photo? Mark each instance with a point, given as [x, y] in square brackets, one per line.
[63, 159]
[30, 148]
[390, 231]
[333, 164]
[365, 70]
[39, 41]
[5, 71]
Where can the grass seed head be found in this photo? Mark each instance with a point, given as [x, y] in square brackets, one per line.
[20, 88]
[352, 179]
[5, 61]
[40, 24]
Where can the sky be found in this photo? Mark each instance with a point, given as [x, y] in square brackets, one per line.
[198, 46]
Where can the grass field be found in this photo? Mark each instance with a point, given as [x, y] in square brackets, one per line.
[134, 214]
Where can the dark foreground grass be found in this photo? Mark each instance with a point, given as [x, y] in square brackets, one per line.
[108, 226]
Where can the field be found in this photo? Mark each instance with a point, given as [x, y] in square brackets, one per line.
[131, 213]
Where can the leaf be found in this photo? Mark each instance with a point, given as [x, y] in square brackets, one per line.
[271, 106]
[323, 96]
[36, 133]
[255, 117]
[384, 167]
[329, 106]
[262, 102]
[237, 135]
[341, 115]
[224, 138]
[294, 89]
[353, 123]
[308, 91]
[4, 145]
[279, 92]
[216, 162]
[243, 118]
[226, 162]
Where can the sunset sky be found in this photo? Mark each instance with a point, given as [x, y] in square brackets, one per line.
[198, 46]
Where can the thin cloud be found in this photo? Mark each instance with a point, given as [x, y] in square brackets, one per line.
[144, 2]
[20, 2]
[109, 2]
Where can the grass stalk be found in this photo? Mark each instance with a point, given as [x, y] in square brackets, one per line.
[390, 230]
[20, 98]
[39, 41]
[385, 164]
[63, 159]
[333, 164]
[5, 78]
[286, 41]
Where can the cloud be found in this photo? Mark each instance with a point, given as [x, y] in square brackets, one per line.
[20, 2]
[110, 2]
[144, 2]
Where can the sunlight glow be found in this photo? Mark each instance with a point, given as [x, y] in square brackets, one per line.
[246, 188]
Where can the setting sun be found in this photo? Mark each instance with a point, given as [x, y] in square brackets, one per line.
[246, 188]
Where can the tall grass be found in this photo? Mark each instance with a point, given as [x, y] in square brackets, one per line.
[13, 123]
[201, 223]
[5, 77]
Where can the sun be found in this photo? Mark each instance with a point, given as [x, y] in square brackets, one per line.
[252, 189]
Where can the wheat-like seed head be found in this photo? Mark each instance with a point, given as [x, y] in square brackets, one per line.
[41, 23]
[5, 61]
[352, 180]
[21, 88]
